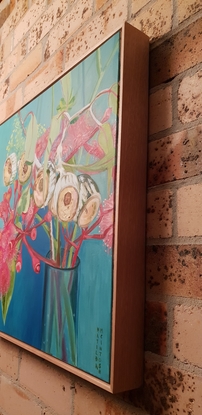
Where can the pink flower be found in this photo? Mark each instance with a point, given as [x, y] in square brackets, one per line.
[94, 149]
[7, 235]
[41, 144]
[5, 208]
[18, 266]
[35, 263]
[106, 223]
[4, 274]
[28, 217]
[78, 134]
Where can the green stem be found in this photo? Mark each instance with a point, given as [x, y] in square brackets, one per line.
[70, 321]
[102, 72]
[58, 242]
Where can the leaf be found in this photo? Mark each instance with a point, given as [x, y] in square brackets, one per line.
[31, 139]
[62, 105]
[113, 98]
[54, 131]
[98, 62]
[6, 299]
[69, 98]
[24, 202]
[101, 165]
[105, 138]
[74, 120]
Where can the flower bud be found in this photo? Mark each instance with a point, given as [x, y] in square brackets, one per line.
[18, 265]
[48, 216]
[33, 234]
[35, 264]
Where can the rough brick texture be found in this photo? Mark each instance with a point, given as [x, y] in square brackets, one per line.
[13, 398]
[48, 383]
[172, 391]
[175, 157]
[159, 214]
[156, 328]
[156, 20]
[160, 110]
[178, 53]
[187, 8]
[190, 98]
[188, 322]
[189, 219]
[174, 270]
[9, 358]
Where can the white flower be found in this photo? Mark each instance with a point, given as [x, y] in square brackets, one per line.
[10, 168]
[24, 170]
[44, 185]
[66, 196]
[89, 200]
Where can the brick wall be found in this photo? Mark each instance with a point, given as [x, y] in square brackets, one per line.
[39, 40]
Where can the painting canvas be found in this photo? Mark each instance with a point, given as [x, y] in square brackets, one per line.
[72, 216]
[58, 157]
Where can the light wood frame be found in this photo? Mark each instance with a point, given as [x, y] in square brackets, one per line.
[129, 244]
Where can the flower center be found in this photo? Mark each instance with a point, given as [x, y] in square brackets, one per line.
[67, 198]
[25, 168]
[41, 185]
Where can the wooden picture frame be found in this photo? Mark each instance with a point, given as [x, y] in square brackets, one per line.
[92, 224]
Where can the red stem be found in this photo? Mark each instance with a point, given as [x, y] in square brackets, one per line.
[38, 256]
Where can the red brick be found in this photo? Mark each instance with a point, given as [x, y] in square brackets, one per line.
[14, 400]
[156, 328]
[186, 8]
[177, 156]
[7, 46]
[90, 400]
[67, 26]
[189, 212]
[159, 214]
[172, 391]
[4, 89]
[4, 12]
[14, 102]
[2, 112]
[28, 20]
[160, 110]
[187, 334]
[190, 98]
[46, 22]
[177, 54]
[155, 20]
[111, 17]
[43, 77]
[99, 4]
[174, 269]
[51, 384]
[26, 68]
[13, 59]
[137, 5]
[9, 358]
[17, 12]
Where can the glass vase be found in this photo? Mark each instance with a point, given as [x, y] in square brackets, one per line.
[60, 312]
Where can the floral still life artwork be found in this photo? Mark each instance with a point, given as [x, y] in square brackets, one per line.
[57, 195]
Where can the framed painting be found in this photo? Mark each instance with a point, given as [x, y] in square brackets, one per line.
[72, 216]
